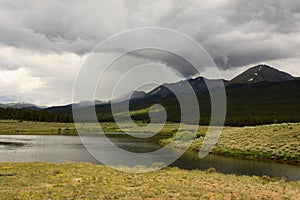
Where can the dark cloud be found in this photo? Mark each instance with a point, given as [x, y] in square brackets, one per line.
[236, 33]
[178, 63]
[77, 26]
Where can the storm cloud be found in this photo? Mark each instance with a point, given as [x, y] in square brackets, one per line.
[47, 41]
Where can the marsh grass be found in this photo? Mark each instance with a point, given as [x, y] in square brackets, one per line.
[88, 181]
[276, 142]
[280, 142]
[29, 127]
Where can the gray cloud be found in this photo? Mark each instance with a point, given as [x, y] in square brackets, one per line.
[178, 63]
[270, 15]
[236, 33]
[77, 26]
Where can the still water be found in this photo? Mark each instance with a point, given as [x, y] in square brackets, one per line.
[56, 148]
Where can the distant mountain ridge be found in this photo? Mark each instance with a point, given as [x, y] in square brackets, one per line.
[199, 86]
[21, 105]
[260, 95]
[256, 74]
[260, 74]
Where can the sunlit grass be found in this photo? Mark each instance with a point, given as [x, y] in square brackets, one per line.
[280, 142]
[277, 142]
[89, 181]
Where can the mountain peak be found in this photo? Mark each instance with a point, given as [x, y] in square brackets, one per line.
[262, 73]
[260, 66]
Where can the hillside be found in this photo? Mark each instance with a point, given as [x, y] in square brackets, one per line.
[260, 103]
[262, 73]
[272, 96]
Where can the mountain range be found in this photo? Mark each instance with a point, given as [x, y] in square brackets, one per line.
[260, 95]
[257, 74]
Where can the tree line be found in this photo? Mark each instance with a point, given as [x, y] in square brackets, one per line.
[34, 115]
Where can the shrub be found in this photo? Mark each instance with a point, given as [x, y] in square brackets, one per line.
[184, 136]
[210, 170]
[188, 137]
[200, 134]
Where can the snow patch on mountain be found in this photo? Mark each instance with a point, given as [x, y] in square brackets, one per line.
[156, 91]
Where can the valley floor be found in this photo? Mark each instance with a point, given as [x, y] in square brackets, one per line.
[89, 181]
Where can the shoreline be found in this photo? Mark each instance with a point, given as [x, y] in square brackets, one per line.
[277, 142]
[297, 163]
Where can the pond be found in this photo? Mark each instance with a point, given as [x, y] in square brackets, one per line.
[59, 148]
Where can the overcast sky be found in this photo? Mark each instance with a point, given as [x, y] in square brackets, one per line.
[43, 44]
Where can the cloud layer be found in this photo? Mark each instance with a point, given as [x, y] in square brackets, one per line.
[44, 43]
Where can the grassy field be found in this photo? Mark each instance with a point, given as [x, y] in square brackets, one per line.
[276, 142]
[88, 181]
[24, 127]
[28, 127]
[280, 142]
